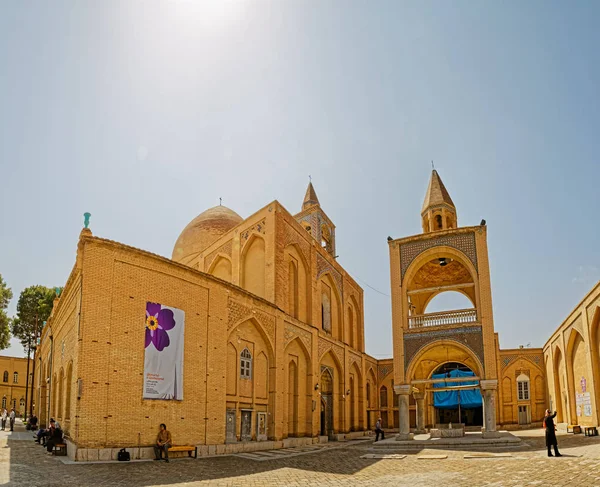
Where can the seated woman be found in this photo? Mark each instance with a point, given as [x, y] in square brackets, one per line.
[54, 438]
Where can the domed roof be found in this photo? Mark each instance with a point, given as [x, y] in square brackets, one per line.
[203, 230]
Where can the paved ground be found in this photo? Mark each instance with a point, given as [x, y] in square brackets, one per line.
[24, 464]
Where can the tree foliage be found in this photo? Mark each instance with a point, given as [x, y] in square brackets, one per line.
[35, 302]
[5, 297]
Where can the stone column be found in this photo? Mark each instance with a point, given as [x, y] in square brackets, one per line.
[420, 400]
[488, 390]
[404, 416]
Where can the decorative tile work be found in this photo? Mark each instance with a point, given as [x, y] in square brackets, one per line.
[238, 313]
[256, 228]
[223, 249]
[465, 242]
[537, 359]
[470, 336]
[292, 332]
[325, 346]
[354, 358]
[383, 371]
[323, 266]
[292, 237]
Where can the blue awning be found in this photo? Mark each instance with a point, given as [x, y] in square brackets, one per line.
[470, 398]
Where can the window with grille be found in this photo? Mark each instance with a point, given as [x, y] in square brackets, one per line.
[22, 402]
[16, 377]
[523, 388]
[5, 377]
[4, 402]
[246, 364]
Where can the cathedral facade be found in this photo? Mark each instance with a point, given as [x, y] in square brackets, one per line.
[272, 349]
[251, 336]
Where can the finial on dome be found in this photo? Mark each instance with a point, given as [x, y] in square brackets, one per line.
[86, 219]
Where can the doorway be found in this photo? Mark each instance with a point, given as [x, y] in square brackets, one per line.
[523, 415]
[453, 405]
[230, 426]
[246, 425]
[326, 402]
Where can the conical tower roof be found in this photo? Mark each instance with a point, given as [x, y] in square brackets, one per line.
[437, 194]
[310, 199]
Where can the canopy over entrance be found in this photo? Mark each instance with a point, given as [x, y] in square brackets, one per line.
[457, 403]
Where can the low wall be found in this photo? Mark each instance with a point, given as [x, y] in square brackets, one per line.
[147, 452]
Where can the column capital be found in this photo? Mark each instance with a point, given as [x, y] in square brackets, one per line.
[419, 395]
[403, 390]
[488, 385]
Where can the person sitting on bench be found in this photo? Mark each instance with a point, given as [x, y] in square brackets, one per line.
[163, 443]
[33, 421]
[43, 433]
[55, 437]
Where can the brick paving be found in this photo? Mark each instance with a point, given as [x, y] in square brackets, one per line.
[25, 464]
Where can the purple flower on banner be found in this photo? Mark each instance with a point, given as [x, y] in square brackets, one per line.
[158, 321]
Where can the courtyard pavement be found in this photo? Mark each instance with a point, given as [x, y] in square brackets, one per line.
[24, 463]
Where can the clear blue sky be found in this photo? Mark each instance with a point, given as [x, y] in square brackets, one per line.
[145, 113]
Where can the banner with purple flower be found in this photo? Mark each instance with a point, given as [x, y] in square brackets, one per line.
[163, 358]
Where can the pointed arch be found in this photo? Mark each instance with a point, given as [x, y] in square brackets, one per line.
[221, 267]
[331, 305]
[576, 371]
[69, 380]
[298, 282]
[254, 265]
[356, 398]
[559, 385]
[299, 389]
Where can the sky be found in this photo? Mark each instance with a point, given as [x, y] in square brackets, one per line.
[146, 113]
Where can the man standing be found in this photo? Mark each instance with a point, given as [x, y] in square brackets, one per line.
[551, 433]
[4, 416]
[379, 430]
[12, 416]
[163, 443]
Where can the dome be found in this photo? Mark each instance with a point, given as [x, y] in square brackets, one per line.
[203, 230]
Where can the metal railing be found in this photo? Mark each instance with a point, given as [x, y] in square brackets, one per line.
[455, 317]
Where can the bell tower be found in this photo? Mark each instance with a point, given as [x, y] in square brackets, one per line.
[453, 343]
[438, 212]
[316, 222]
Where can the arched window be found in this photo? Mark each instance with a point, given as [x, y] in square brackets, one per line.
[15, 377]
[523, 388]
[30, 378]
[5, 377]
[4, 402]
[326, 313]
[246, 364]
[22, 403]
[61, 381]
[368, 394]
[383, 399]
[68, 400]
[293, 288]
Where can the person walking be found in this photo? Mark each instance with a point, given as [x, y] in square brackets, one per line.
[4, 416]
[12, 417]
[163, 443]
[551, 433]
[379, 430]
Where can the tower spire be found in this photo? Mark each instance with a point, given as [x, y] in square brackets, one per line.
[310, 199]
[438, 212]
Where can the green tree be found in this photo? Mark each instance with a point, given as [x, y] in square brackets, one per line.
[33, 308]
[5, 297]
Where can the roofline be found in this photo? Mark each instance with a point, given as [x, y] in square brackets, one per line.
[568, 318]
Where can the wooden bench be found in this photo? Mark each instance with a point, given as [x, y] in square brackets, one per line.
[186, 448]
[59, 450]
[590, 431]
[575, 429]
